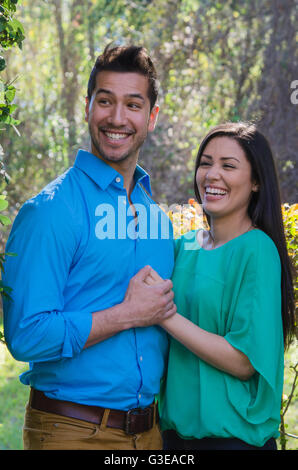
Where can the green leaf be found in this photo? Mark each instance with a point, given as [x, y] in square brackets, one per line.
[10, 93]
[5, 220]
[9, 120]
[3, 204]
[2, 64]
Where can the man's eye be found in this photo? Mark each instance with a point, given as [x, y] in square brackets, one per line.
[103, 101]
[134, 105]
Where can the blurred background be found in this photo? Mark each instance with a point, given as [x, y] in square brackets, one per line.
[216, 61]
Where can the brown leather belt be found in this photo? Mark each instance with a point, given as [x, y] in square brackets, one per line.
[134, 421]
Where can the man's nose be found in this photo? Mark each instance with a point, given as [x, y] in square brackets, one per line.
[117, 116]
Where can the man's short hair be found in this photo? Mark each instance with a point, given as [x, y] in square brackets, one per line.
[126, 59]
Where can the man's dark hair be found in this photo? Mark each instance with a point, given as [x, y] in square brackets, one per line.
[126, 59]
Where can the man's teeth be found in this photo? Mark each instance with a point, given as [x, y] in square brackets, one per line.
[113, 135]
[217, 191]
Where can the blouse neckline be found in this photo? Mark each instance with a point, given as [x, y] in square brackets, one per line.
[221, 246]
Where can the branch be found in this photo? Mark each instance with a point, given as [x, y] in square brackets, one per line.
[295, 368]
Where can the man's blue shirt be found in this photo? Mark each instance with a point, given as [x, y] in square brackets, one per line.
[77, 246]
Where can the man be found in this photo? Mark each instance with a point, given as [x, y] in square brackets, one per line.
[81, 313]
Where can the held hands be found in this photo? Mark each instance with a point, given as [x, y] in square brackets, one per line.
[150, 298]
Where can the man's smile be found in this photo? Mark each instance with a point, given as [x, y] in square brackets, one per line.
[116, 135]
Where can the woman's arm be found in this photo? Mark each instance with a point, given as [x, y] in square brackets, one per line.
[211, 348]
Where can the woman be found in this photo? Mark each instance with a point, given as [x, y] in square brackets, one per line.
[234, 294]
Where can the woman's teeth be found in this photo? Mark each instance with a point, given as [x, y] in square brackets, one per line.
[215, 191]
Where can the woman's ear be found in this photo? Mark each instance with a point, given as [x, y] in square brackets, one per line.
[255, 187]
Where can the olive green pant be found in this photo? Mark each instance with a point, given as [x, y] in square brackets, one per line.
[47, 431]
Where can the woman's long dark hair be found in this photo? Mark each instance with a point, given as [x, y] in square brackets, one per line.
[265, 204]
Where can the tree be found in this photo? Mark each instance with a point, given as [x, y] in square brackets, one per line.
[278, 116]
[214, 63]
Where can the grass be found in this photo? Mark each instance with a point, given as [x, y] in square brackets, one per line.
[14, 396]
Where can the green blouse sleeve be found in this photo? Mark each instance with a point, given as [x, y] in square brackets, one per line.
[256, 330]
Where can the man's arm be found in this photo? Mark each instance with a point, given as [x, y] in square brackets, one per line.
[142, 306]
[45, 237]
[36, 326]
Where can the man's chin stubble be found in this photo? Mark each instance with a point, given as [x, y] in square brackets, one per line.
[106, 157]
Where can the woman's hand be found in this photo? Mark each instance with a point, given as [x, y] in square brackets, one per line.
[210, 347]
[153, 278]
[150, 298]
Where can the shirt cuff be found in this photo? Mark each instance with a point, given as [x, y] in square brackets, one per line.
[78, 327]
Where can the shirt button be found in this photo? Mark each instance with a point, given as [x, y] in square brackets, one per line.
[140, 395]
[118, 179]
[141, 358]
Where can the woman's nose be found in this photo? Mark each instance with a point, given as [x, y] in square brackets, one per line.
[213, 172]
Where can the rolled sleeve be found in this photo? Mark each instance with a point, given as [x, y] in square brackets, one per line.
[37, 326]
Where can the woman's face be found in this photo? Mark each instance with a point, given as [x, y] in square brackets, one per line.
[224, 178]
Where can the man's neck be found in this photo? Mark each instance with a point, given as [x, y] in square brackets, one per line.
[126, 168]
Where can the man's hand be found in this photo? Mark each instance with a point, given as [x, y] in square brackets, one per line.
[150, 298]
[148, 301]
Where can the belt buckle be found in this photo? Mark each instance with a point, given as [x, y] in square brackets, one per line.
[137, 411]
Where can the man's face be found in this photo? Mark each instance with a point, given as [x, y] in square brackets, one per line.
[119, 115]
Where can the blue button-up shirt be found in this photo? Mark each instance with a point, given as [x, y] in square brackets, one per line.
[78, 246]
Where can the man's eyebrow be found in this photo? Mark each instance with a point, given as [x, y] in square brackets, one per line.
[222, 158]
[129, 95]
[103, 90]
[136, 95]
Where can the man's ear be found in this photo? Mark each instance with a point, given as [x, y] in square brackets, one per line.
[87, 104]
[153, 117]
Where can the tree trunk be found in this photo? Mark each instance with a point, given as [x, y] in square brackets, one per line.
[279, 115]
[70, 62]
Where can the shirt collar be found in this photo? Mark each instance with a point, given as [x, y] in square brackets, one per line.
[103, 174]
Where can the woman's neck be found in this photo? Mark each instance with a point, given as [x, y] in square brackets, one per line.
[224, 230]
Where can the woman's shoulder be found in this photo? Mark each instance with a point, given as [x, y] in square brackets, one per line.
[257, 239]
[259, 251]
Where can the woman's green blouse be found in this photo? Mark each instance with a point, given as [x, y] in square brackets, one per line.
[233, 291]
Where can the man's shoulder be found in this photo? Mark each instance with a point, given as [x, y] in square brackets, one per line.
[55, 197]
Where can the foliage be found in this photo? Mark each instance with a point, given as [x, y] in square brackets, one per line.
[210, 57]
[11, 34]
[290, 218]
